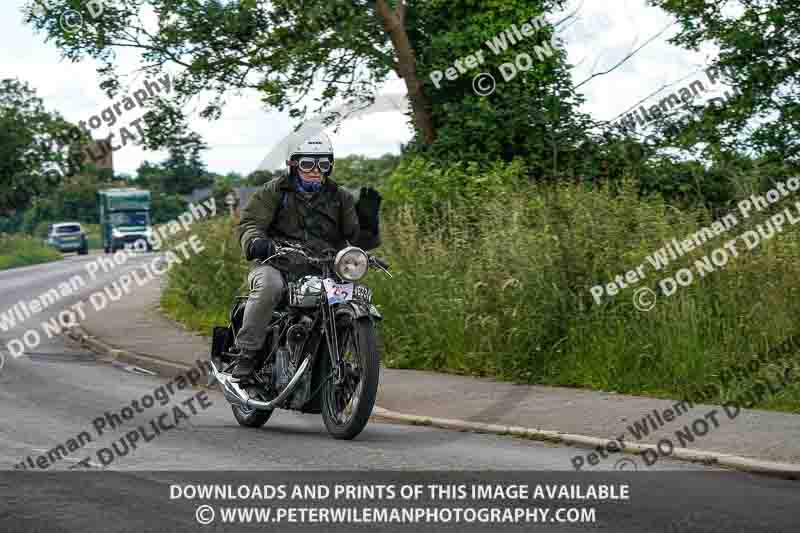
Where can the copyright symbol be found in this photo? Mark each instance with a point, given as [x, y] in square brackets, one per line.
[626, 463]
[204, 515]
[484, 84]
[644, 299]
[71, 20]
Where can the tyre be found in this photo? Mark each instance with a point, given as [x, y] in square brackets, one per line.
[347, 406]
[251, 418]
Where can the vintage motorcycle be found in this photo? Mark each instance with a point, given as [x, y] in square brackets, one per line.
[321, 353]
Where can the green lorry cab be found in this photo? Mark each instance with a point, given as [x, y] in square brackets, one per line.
[124, 218]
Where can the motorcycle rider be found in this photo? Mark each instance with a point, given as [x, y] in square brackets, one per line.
[307, 207]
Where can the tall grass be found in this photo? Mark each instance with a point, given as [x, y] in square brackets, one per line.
[200, 291]
[21, 250]
[502, 289]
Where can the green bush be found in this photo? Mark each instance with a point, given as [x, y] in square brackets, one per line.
[200, 291]
[21, 250]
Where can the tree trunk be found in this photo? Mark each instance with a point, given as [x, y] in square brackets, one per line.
[406, 67]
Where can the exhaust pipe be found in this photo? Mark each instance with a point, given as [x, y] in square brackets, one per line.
[237, 396]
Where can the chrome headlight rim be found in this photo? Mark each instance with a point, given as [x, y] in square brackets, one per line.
[339, 263]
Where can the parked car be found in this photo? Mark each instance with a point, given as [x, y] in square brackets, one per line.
[67, 237]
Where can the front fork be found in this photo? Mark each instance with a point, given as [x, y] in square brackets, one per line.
[332, 340]
[341, 315]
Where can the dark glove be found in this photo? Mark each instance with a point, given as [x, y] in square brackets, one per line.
[368, 208]
[260, 249]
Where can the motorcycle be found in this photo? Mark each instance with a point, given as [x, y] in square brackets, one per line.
[320, 354]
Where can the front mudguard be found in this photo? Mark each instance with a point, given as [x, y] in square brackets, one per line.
[357, 310]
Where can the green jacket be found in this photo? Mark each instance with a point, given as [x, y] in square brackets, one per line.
[328, 220]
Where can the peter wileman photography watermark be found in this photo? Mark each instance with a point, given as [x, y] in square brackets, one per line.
[110, 116]
[70, 19]
[484, 83]
[645, 298]
[71, 316]
[677, 101]
[772, 375]
[165, 421]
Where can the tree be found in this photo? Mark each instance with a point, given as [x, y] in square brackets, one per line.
[280, 48]
[166, 207]
[148, 176]
[74, 199]
[361, 171]
[184, 170]
[180, 173]
[340, 51]
[758, 54]
[32, 160]
[259, 177]
[532, 111]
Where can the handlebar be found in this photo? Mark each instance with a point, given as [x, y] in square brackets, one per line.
[281, 251]
[380, 262]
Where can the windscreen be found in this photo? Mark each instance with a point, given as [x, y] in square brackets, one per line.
[130, 218]
[72, 228]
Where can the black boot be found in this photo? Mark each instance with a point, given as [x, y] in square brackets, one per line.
[246, 365]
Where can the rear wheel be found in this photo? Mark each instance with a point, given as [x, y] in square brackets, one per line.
[347, 405]
[251, 418]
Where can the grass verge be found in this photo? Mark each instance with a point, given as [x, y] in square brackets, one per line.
[21, 250]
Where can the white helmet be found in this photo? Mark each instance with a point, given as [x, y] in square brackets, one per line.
[315, 144]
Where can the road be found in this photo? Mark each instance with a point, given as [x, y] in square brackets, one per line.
[56, 392]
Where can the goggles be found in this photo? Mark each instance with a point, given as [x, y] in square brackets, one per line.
[307, 164]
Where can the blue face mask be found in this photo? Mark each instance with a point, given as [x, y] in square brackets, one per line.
[308, 186]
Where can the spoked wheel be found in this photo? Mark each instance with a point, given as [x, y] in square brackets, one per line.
[251, 418]
[347, 404]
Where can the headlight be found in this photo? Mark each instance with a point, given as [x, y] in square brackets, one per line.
[351, 263]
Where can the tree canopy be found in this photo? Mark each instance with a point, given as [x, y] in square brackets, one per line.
[35, 147]
[759, 54]
[307, 56]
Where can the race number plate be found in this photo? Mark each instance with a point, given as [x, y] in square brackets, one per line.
[362, 293]
[337, 292]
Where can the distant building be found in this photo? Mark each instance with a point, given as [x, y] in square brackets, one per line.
[99, 154]
[198, 195]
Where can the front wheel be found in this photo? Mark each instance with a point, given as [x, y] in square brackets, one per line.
[347, 405]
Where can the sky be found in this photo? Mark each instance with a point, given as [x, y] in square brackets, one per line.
[603, 33]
